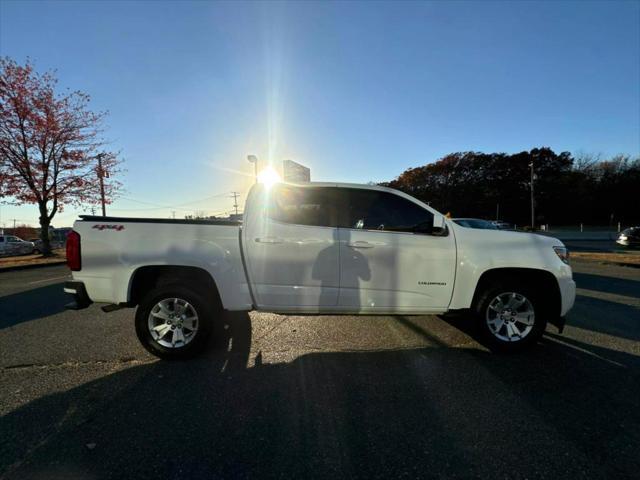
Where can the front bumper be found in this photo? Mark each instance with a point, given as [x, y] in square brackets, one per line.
[567, 294]
[80, 298]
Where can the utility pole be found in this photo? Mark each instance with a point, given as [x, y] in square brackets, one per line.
[253, 159]
[497, 211]
[235, 200]
[101, 178]
[533, 208]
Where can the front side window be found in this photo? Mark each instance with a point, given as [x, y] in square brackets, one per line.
[303, 205]
[375, 210]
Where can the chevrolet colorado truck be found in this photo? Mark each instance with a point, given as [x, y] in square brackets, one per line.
[317, 248]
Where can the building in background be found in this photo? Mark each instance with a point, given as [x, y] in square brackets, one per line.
[294, 172]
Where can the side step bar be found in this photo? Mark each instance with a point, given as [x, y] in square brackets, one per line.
[112, 307]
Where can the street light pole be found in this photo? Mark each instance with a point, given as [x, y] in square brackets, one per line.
[253, 159]
[532, 199]
[101, 177]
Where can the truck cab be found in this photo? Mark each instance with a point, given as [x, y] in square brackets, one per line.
[344, 249]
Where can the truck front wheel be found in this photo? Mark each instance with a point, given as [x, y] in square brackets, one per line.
[174, 322]
[511, 316]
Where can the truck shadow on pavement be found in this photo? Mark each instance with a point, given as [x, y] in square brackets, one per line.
[32, 304]
[559, 411]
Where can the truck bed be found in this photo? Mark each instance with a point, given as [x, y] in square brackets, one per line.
[115, 248]
[99, 218]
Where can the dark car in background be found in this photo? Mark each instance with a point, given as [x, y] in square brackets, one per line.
[476, 223]
[37, 245]
[630, 237]
[57, 239]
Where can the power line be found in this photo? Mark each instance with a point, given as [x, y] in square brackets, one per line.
[177, 205]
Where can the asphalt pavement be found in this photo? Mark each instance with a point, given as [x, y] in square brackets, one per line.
[318, 397]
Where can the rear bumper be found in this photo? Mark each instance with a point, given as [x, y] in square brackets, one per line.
[80, 298]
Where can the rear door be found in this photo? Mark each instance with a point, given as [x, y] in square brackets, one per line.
[291, 247]
[390, 258]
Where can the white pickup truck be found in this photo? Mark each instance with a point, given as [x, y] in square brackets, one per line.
[317, 248]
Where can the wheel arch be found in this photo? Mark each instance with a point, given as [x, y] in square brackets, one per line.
[542, 280]
[144, 279]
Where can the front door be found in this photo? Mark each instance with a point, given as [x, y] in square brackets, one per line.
[391, 260]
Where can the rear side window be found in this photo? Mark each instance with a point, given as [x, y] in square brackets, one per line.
[374, 210]
[303, 205]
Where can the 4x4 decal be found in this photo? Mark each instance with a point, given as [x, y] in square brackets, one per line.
[101, 227]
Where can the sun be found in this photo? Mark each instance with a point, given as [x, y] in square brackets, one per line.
[269, 176]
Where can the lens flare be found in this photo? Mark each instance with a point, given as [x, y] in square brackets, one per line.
[269, 176]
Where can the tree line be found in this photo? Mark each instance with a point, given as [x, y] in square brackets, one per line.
[568, 190]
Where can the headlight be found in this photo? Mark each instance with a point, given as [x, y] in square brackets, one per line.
[622, 237]
[563, 254]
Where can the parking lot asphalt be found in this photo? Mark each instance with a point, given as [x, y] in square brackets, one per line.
[340, 396]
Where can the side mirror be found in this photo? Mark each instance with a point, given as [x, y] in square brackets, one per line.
[439, 222]
[439, 225]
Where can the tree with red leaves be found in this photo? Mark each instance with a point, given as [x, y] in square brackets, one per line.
[49, 145]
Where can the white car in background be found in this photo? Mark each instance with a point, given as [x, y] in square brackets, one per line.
[12, 245]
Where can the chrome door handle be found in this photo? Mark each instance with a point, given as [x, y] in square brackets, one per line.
[360, 244]
[269, 240]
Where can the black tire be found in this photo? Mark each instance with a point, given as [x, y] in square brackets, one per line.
[208, 312]
[535, 298]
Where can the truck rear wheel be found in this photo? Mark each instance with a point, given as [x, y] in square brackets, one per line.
[174, 321]
[512, 316]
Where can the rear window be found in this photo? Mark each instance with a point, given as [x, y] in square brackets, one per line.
[303, 205]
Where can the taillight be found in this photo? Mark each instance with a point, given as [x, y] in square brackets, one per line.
[73, 251]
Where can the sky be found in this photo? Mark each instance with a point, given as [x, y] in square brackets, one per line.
[357, 91]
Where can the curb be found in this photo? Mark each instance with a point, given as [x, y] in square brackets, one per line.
[573, 239]
[622, 264]
[31, 266]
[606, 262]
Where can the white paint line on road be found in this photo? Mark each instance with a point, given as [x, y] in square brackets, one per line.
[612, 297]
[49, 279]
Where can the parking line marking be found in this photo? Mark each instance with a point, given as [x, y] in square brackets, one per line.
[49, 279]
